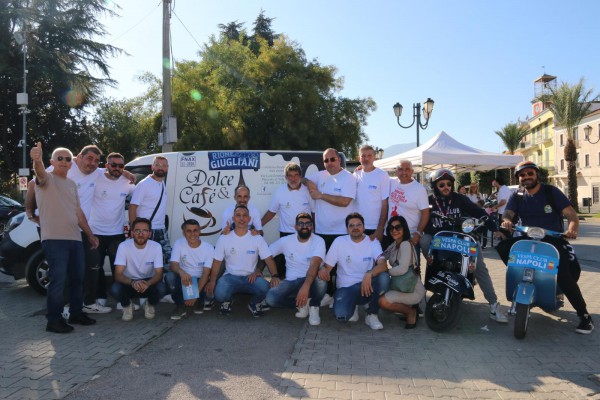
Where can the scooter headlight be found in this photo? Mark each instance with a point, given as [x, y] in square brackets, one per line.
[468, 225]
[528, 275]
[536, 233]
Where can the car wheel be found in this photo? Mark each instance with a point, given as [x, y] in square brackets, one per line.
[37, 272]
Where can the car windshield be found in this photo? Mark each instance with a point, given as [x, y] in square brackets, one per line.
[7, 201]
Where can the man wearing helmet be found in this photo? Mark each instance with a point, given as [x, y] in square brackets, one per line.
[447, 202]
[545, 206]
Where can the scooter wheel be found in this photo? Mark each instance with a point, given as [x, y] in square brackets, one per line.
[521, 320]
[440, 316]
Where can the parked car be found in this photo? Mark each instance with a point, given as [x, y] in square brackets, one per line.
[8, 208]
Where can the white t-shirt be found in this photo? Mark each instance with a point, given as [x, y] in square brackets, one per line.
[353, 259]
[503, 194]
[474, 197]
[407, 200]
[192, 259]
[289, 203]
[371, 188]
[330, 219]
[107, 216]
[241, 253]
[254, 216]
[298, 254]
[145, 196]
[139, 263]
[85, 186]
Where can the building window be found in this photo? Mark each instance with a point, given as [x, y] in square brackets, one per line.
[595, 194]
[577, 160]
[562, 142]
[587, 160]
[562, 165]
[575, 134]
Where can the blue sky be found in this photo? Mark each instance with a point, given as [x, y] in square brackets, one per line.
[476, 59]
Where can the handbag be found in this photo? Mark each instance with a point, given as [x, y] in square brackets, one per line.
[406, 282]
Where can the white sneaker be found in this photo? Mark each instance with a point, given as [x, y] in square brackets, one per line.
[327, 301]
[263, 306]
[302, 311]
[372, 322]
[96, 309]
[166, 299]
[135, 306]
[313, 316]
[127, 312]
[149, 312]
[354, 316]
[65, 313]
[497, 315]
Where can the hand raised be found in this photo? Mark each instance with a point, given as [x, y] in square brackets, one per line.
[36, 152]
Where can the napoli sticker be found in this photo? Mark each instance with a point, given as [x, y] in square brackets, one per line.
[547, 208]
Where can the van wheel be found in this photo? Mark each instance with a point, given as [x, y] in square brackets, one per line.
[37, 272]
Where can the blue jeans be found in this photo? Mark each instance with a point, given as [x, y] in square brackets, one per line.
[228, 285]
[124, 293]
[284, 295]
[347, 298]
[65, 261]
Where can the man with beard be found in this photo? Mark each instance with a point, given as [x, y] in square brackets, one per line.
[139, 271]
[107, 218]
[242, 198]
[545, 206]
[447, 202]
[361, 273]
[301, 288]
[149, 200]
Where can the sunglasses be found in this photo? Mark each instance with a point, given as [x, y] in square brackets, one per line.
[330, 159]
[304, 224]
[138, 231]
[115, 165]
[397, 227]
[357, 225]
[524, 174]
[443, 185]
[67, 158]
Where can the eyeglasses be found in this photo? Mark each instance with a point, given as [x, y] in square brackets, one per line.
[304, 224]
[138, 231]
[330, 159]
[397, 227]
[524, 174]
[357, 225]
[443, 185]
[67, 158]
[115, 165]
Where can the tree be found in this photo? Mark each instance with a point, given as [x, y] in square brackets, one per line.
[569, 105]
[232, 30]
[63, 62]
[511, 136]
[274, 98]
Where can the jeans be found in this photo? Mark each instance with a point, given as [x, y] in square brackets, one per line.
[65, 261]
[108, 247]
[284, 295]
[162, 237]
[347, 298]
[228, 285]
[124, 293]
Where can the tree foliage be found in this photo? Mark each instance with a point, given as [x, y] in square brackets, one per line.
[269, 97]
[569, 105]
[511, 136]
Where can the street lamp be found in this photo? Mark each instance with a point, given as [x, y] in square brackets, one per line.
[427, 109]
[23, 101]
[378, 153]
[588, 131]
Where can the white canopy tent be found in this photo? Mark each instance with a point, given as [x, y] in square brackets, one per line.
[443, 151]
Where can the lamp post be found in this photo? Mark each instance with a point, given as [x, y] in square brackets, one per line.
[378, 153]
[22, 102]
[427, 109]
[588, 131]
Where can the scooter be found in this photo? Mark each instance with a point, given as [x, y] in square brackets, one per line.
[450, 272]
[531, 276]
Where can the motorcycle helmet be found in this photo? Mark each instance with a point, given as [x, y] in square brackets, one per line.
[438, 175]
[523, 165]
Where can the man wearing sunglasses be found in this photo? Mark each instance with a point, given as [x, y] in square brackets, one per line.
[304, 253]
[545, 206]
[61, 218]
[447, 202]
[107, 216]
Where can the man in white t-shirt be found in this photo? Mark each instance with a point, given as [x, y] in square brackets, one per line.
[241, 250]
[372, 191]
[502, 195]
[139, 271]
[149, 200]
[361, 273]
[304, 253]
[242, 198]
[289, 200]
[107, 217]
[191, 258]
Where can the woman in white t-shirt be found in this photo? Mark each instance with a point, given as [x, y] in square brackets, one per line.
[473, 193]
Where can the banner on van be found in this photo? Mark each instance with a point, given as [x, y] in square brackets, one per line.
[223, 160]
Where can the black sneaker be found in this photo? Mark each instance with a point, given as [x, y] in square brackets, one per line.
[81, 319]
[225, 308]
[586, 326]
[208, 305]
[59, 326]
[255, 311]
[179, 312]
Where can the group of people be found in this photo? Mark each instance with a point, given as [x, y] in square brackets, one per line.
[343, 237]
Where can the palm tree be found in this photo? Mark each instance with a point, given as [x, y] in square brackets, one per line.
[511, 136]
[570, 104]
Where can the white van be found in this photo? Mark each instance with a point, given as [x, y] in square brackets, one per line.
[200, 185]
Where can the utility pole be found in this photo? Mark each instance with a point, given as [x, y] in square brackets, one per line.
[168, 135]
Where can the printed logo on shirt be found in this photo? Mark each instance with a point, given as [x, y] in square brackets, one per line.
[200, 264]
[104, 194]
[367, 259]
[348, 260]
[251, 252]
[288, 205]
[150, 264]
[123, 194]
[305, 204]
[232, 251]
[547, 208]
[372, 187]
[291, 256]
[337, 190]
